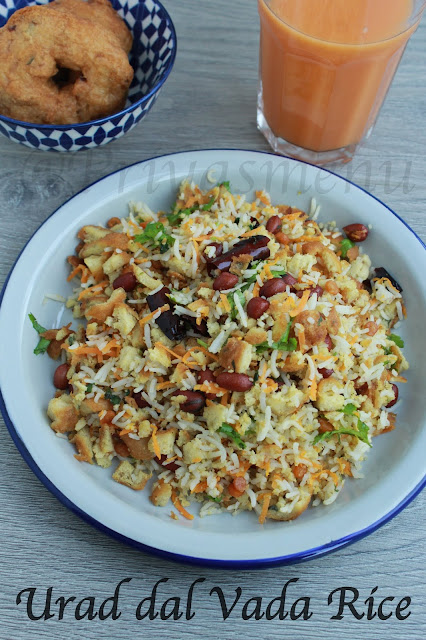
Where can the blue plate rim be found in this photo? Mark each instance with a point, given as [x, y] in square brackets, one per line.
[259, 563]
[123, 112]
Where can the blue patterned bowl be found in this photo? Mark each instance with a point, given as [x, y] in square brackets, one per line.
[152, 57]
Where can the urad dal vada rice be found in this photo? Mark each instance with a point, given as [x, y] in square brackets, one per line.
[65, 62]
[239, 352]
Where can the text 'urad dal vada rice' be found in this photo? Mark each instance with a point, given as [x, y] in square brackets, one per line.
[183, 380]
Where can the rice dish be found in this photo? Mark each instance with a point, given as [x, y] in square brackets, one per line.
[236, 354]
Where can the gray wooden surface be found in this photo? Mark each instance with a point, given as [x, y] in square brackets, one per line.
[208, 101]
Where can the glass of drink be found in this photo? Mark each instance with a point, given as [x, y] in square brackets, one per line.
[325, 69]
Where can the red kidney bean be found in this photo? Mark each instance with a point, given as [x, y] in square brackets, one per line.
[207, 376]
[140, 401]
[325, 425]
[328, 342]
[394, 401]
[326, 373]
[256, 307]
[362, 389]
[218, 251]
[194, 403]
[274, 224]
[172, 326]
[225, 281]
[382, 273]
[289, 279]
[234, 381]
[318, 290]
[255, 246]
[272, 287]
[126, 281]
[171, 466]
[356, 232]
[60, 379]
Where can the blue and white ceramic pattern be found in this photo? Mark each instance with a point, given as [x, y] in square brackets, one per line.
[152, 58]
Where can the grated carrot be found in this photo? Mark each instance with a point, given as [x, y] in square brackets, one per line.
[256, 289]
[210, 387]
[93, 289]
[224, 400]
[201, 487]
[112, 344]
[199, 348]
[160, 345]
[252, 232]
[302, 304]
[301, 338]
[313, 391]
[85, 351]
[225, 302]
[149, 317]
[126, 430]
[265, 507]
[155, 444]
[180, 508]
[79, 267]
[164, 385]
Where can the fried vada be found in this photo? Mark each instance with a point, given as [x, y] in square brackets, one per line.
[57, 67]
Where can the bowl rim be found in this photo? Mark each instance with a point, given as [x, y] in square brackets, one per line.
[258, 563]
[131, 107]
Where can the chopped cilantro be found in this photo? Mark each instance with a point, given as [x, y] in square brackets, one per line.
[111, 397]
[387, 350]
[230, 432]
[43, 343]
[256, 376]
[284, 344]
[345, 245]
[397, 340]
[218, 499]
[226, 184]
[240, 294]
[89, 387]
[361, 432]
[349, 409]
[71, 339]
[176, 217]
[202, 343]
[155, 232]
[208, 206]
[279, 273]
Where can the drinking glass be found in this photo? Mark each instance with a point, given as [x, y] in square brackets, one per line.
[325, 69]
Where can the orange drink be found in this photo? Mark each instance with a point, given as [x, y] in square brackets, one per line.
[325, 68]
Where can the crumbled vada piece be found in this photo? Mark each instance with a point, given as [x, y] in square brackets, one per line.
[236, 354]
[161, 493]
[130, 476]
[63, 414]
[83, 443]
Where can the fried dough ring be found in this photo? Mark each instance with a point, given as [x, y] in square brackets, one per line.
[99, 11]
[38, 42]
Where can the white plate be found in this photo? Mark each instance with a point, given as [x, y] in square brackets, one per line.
[395, 469]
